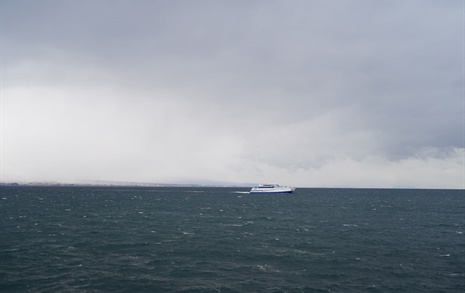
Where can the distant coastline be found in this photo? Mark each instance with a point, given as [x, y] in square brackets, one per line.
[122, 184]
[200, 184]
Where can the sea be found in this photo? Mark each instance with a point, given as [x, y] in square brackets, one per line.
[209, 239]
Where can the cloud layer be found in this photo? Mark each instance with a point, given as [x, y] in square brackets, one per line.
[310, 93]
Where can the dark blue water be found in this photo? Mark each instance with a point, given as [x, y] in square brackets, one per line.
[75, 239]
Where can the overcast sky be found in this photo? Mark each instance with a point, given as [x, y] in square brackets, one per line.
[310, 93]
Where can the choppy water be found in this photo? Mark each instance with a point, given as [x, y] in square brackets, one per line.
[74, 239]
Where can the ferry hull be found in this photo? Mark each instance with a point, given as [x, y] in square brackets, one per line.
[270, 192]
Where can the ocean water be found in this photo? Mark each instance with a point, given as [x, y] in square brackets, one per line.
[108, 239]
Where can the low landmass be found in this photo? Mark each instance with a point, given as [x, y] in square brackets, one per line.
[127, 184]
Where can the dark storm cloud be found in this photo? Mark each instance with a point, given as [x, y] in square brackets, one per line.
[338, 79]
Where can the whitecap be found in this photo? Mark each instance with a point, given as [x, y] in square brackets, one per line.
[267, 268]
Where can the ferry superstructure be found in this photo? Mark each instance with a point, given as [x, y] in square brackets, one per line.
[272, 188]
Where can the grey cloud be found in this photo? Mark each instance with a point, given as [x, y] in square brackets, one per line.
[339, 79]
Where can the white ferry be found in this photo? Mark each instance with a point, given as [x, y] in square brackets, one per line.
[272, 188]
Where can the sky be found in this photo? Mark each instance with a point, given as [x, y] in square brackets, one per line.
[308, 93]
